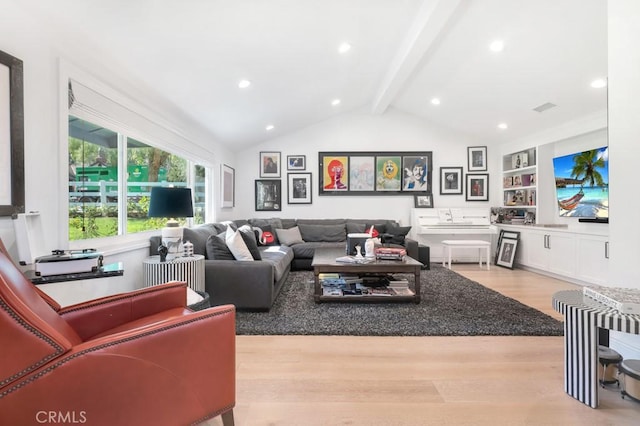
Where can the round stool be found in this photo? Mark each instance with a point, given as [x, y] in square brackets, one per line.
[607, 371]
[630, 373]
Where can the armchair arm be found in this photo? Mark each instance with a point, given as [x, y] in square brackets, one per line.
[182, 367]
[411, 246]
[95, 316]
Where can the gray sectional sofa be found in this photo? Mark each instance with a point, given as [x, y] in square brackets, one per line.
[254, 285]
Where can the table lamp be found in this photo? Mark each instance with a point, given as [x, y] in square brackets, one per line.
[171, 203]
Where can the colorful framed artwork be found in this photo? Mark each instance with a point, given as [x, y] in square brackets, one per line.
[477, 187]
[296, 162]
[423, 201]
[228, 180]
[362, 173]
[477, 159]
[415, 170]
[269, 164]
[450, 180]
[268, 195]
[299, 188]
[374, 173]
[507, 252]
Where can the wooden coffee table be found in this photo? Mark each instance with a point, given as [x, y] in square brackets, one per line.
[324, 261]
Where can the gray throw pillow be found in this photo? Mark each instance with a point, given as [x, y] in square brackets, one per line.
[289, 237]
[328, 233]
[250, 240]
[217, 248]
[355, 228]
[395, 234]
[198, 236]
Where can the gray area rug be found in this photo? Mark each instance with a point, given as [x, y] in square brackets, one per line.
[452, 305]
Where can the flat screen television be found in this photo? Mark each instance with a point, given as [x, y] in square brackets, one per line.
[582, 184]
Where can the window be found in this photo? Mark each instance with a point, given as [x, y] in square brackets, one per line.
[106, 167]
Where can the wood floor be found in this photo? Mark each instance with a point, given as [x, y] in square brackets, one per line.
[339, 380]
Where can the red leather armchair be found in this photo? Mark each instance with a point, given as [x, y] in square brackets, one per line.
[139, 358]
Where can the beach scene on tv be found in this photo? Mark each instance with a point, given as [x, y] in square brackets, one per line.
[582, 183]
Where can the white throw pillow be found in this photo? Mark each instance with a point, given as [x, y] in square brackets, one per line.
[237, 246]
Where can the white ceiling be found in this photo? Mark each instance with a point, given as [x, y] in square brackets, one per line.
[404, 52]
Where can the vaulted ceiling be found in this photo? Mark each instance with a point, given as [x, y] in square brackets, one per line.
[403, 54]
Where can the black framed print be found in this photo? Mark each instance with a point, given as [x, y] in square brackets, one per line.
[296, 162]
[270, 164]
[477, 188]
[299, 188]
[477, 159]
[268, 195]
[514, 235]
[450, 180]
[507, 252]
[423, 201]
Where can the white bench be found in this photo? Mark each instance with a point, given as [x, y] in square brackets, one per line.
[449, 245]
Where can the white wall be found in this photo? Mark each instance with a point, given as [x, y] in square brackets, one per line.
[354, 131]
[624, 135]
[42, 49]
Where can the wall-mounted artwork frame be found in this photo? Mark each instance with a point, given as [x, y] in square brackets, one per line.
[423, 201]
[268, 195]
[228, 185]
[477, 187]
[269, 164]
[299, 188]
[451, 180]
[477, 159]
[11, 135]
[296, 162]
[375, 173]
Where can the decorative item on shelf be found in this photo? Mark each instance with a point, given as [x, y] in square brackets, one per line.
[188, 249]
[369, 248]
[171, 203]
[162, 252]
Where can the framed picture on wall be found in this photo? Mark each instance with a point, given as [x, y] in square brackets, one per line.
[268, 196]
[296, 162]
[450, 180]
[228, 180]
[299, 188]
[423, 201]
[477, 187]
[270, 164]
[477, 159]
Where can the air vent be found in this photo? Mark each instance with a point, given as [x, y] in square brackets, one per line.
[544, 107]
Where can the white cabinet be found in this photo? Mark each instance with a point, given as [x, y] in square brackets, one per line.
[592, 258]
[548, 251]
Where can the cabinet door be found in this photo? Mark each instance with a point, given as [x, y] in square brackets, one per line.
[562, 249]
[534, 251]
[592, 259]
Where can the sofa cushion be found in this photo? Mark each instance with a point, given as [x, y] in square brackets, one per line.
[307, 250]
[378, 228]
[355, 228]
[250, 240]
[198, 236]
[395, 234]
[268, 225]
[328, 233]
[237, 245]
[278, 256]
[289, 237]
[217, 248]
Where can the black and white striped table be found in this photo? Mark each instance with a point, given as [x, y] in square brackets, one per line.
[582, 318]
[189, 269]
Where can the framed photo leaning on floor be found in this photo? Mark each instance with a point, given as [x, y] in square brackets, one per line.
[507, 252]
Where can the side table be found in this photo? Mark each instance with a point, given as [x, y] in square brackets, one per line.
[189, 269]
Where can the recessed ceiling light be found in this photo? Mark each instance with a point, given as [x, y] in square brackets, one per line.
[270, 127]
[497, 46]
[335, 102]
[503, 126]
[435, 101]
[344, 47]
[243, 84]
[599, 83]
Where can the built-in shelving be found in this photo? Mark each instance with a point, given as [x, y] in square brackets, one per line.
[519, 181]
